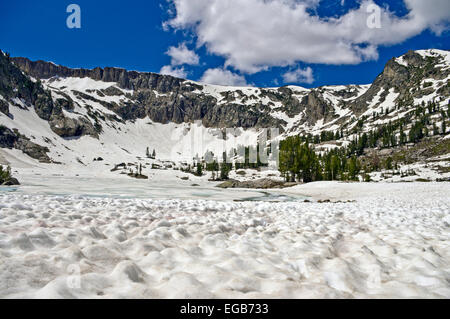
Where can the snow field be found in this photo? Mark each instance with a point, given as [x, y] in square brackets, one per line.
[383, 245]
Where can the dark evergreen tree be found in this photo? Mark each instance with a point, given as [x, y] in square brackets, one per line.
[224, 171]
[5, 174]
[435, 129]
[353, 168]
[199, 171]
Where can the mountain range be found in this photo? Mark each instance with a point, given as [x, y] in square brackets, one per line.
[51, 114]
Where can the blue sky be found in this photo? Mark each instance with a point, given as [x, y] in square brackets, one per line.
[228, 41]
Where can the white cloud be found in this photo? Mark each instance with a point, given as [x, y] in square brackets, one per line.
[253, 35]
[299, 76]
[182, 55]
[435, 14]
[223, 77]
[176, 72]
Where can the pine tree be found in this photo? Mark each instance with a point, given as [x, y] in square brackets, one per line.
[353, 168]
[334, 167]
[416, 132]
[393, 140]
[337, 137]
[402, 136]
[224, 170]
[199, 169]
[5, 174]
[212, 167]
[154, 154]
[388, 164]
[435, 129]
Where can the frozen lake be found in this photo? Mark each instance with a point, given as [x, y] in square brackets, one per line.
[145, 189]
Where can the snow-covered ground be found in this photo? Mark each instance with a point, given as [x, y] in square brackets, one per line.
[393, 241]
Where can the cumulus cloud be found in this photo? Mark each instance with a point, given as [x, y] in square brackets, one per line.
[176, 72]
[434, 14]
[221, 76]
[299, 76]
[182, 55]
[253, 35]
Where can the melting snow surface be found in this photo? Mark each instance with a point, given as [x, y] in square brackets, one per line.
[393, 242]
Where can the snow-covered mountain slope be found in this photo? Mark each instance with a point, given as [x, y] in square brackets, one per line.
[75, 115]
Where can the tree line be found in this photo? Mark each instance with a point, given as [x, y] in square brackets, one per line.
[299, 161]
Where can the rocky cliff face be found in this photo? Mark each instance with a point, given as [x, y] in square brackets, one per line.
[16, 86]
[131, 80]
[162, 98]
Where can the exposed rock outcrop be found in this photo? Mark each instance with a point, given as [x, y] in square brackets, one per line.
[15, 84]
[13, 139]
[70, 127]
[4, 107]
[316, 107]
[264, 183]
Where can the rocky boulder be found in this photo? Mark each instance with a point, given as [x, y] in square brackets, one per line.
[264, 183]
[11, 181]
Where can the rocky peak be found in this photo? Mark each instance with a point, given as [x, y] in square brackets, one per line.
[402, 74]
[413, 58]
[131, 80]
